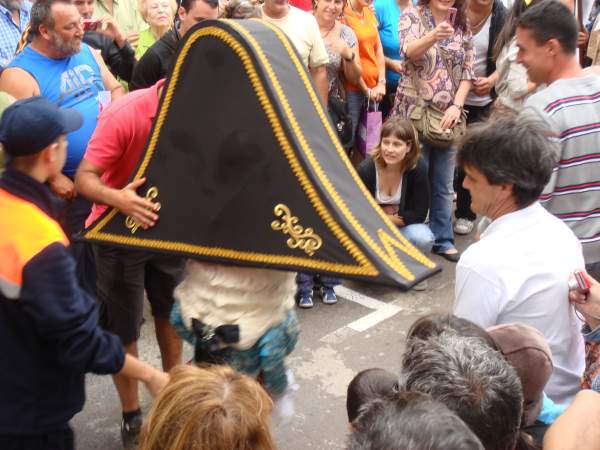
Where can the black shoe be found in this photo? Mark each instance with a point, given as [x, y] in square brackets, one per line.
[130, 431]
[452, 257]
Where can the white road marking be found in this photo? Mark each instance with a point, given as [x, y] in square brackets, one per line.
[357, 297]
[372, 319]
[382, 312]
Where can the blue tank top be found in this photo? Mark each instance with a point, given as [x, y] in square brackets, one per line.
[72, 82]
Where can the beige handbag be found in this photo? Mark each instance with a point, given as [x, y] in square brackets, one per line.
[426, 117]
[593, 50]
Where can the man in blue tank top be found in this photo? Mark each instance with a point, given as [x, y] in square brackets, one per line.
[58, 66]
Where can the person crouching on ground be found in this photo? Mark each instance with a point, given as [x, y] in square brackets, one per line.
[396, 177]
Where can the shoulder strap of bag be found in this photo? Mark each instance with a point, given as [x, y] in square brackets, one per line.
[440, 51]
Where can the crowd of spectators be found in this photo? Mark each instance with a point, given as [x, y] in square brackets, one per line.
[504, 371]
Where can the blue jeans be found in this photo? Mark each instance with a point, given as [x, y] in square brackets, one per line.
[305, 282]
[440, 166]
[355, 101]
[419, 235]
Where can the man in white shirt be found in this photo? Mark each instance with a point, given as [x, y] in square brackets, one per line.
[519, 270]
[302, 29]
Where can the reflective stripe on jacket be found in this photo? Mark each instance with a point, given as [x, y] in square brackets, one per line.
[25, 230]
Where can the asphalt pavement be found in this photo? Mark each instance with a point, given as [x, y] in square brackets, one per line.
[365, 329]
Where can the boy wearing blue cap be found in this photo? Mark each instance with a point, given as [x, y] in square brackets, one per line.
[49, 336]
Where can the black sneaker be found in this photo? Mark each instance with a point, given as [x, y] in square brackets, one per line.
[130, 431]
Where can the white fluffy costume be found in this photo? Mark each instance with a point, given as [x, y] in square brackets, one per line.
[259, 301]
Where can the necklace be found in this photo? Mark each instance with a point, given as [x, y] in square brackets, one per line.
[476, 28]
[324, 36]
[361, 15]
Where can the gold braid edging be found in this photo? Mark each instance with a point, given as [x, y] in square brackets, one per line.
[388, 256]
[365, 268]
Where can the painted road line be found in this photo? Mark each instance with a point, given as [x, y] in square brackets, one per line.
[372, 319]
[357, 297]
[382, 311]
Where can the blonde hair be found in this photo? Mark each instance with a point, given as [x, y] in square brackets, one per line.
[210, 408]
[404, 130]
[142, 6]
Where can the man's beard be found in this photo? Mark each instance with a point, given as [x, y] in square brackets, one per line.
[63, 48]
[11, 5]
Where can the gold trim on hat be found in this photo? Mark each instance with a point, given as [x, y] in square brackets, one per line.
[130, 222]
[365, 268]
[303, 238]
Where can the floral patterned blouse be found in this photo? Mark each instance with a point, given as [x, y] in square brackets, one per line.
[435, 84]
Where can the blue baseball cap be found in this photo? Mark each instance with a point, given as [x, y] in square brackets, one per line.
[30, 125]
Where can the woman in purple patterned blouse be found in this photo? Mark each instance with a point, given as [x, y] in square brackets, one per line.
[424, 34]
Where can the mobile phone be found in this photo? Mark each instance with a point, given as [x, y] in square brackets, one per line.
[451, 16]
[579, 283]
[90, 24]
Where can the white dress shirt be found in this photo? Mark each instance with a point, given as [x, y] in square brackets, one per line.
[519, 272]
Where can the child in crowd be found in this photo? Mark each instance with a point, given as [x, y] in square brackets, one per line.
[527, 351]
[308, 283]
[396, 177]
[243, 317]
[211, 408]
[410, 421]
[524, 347]
[366, 386]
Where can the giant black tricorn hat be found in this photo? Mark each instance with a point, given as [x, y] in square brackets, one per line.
[248, 170]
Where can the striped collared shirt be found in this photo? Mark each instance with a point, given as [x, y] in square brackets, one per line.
[10, 32]
[571, 108]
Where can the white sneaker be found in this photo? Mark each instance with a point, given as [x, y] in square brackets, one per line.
[463, 226]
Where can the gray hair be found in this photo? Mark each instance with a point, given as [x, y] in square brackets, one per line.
[471, 379]
[410, 421]
[511, 150]
[41, 14]
[240, 9]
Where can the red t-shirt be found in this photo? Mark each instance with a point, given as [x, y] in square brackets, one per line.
[305, 5]
[120, 137]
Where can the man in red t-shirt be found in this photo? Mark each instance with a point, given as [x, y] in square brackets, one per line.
[122, 274]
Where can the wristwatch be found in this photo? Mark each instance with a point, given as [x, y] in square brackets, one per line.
[351, 58]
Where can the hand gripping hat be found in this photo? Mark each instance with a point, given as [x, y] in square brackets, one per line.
[248, 170]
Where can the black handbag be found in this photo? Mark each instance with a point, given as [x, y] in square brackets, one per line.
[338, 111]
